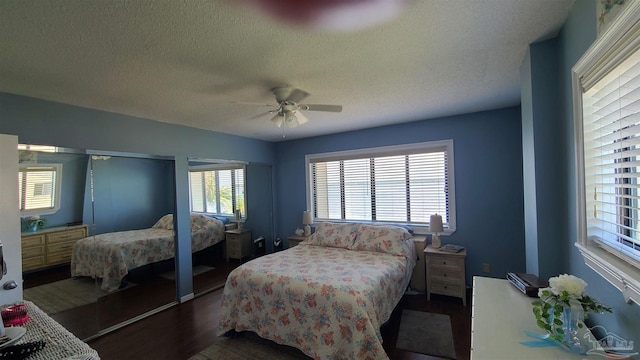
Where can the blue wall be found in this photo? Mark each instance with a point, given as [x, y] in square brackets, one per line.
[129, 194]
[544, 161]
[488, 173]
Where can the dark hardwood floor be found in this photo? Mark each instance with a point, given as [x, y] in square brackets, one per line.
[186, 329]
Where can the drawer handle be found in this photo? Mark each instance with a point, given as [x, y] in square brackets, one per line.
[445, 286]
[445, 275]
[444, 263]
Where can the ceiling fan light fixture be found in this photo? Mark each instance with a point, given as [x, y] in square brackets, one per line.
[301, 118]
[290, 119]
[277, 119]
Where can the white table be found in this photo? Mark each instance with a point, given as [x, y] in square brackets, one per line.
[500, 315]
[60, 343]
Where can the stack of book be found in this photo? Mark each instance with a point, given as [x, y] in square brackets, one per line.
[451, 248]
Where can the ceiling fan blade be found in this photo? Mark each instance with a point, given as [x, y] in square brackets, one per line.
[252, 103]
[297, 95]
[312, 107]
[259, 115]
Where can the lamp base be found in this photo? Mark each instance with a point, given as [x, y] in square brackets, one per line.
[307, 230]
[435, 241]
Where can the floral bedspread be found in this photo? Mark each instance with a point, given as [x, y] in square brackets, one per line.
[328, 302]
[110, 256]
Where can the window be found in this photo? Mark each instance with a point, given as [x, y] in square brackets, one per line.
[39, 189]
[403, 184]
[218, 190]
[606, 83]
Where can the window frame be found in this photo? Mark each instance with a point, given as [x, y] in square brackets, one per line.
[55, 192]
[390, 151]
[606, 52]
[210, 167]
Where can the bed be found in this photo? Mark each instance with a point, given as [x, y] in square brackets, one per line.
[111, 256]
[327, 296]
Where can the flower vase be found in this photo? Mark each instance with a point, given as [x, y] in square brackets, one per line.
[572, 322]
[33, 227]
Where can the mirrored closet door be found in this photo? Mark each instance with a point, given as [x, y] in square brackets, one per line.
[78, 200]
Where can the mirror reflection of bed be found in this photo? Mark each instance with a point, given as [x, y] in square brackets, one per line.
[111, 195]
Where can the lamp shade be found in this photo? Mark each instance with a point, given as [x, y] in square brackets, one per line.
[307, 218]
[277, 119]
[435, 224]
[290, 119]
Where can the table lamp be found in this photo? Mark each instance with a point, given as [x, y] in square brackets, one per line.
[307, 220]
[435, 226]
[238, 218]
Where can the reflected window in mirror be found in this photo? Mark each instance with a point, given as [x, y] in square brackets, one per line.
[39, 188]
[218, 189]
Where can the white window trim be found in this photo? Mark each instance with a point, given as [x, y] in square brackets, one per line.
[619, 272]
[400, 149]
[57, 190]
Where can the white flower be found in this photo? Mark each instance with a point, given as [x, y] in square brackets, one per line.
[34, 218]
[569, 283]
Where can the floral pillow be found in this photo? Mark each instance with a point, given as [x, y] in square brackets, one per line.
[165, 222]
[340, 235]
[383, 238]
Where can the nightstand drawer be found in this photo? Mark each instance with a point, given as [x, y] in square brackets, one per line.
[447, 263]
[233, 238]
[446, 274]
[445, 288]
[234, 253]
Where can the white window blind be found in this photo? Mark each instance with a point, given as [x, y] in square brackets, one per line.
[611, 125]
[605, 100]
[217, 191]
[405, 184]
[39, 189]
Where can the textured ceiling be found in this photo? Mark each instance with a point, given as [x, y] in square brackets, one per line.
[198, 63]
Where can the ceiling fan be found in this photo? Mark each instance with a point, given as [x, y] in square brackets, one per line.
[289, 110]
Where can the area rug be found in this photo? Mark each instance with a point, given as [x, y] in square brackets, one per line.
[426, 333]
[248, 345]
[197, 270]
[66, 294]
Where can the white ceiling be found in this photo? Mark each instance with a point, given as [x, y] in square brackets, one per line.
[190, 62]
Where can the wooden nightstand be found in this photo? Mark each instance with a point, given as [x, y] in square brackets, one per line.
[445, 273]
[295, 240]
[238, 243]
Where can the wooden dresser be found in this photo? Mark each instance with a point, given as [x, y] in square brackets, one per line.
[50, 246]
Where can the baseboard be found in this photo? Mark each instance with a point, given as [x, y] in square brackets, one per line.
[187, 298]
